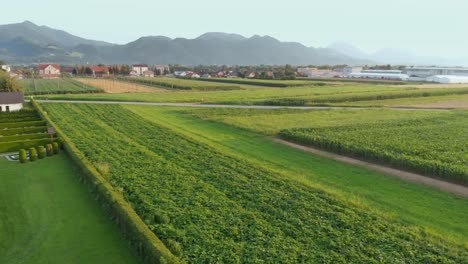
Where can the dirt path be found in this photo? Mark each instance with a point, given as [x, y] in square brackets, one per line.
[407, 176]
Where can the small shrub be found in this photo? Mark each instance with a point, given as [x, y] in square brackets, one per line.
[56, 148]
[41, 152]
[161, 218]
[174, 247]
[50, 150]
[22, 156]
[32, 154]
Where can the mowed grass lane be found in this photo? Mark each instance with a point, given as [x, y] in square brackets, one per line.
[410, 203]
[48, 216]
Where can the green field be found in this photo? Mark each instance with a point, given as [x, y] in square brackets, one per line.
[428, 142]
[182, 84]
[294, 96]
[432, 146]
[48, 216]
[55, 86]
[267, 83]
[236, 208]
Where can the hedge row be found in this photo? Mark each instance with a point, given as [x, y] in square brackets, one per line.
[150, 247]
[64, 92]
[22, 130]
[24, 144]
[360, 97]
[23, 124]
[22, 115]
[262, 82]
[23, 137]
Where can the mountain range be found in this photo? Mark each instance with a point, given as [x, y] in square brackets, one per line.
[29, 43]
[25, 43]
[396, 56]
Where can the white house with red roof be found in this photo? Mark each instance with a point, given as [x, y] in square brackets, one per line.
[49, 70]
[140, 68]
[148, 73]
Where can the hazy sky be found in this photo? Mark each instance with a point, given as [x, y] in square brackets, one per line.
[425, 27]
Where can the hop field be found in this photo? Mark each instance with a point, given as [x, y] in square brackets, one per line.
[432, 146]
[208, 206]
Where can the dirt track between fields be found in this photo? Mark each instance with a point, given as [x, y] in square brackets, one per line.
[407, 176]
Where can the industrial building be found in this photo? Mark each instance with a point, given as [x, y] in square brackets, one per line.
[447, 79]
[424, 72]
[380, 76]
[383, 71]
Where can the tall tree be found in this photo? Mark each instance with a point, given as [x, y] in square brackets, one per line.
[8, 84]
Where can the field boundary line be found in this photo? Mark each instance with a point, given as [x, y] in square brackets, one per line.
[237, 106]
[404, 175]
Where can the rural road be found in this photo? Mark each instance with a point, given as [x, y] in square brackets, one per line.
[230, 106]
[407, 176]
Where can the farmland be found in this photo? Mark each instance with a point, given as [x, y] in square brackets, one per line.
[432, 146]
[267, 83]
[231, 209]
[56, 86]
[405, 139]
[181, 84]
[344, 95]
[48, 216]
[116, 86]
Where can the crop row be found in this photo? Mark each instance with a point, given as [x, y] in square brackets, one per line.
[376, 95]
[434, 147]
[180, 84]
[267, 83]
[210, 207]
[56, 86]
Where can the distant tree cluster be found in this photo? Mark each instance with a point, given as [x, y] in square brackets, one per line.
[8, 84]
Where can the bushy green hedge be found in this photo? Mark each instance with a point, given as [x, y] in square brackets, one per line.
[22, 130]
[41, 152]
[24, 137]
[32, 154]
[23, 157]
[18, 124]
[56, 148]
[149, 247]
[24, 144]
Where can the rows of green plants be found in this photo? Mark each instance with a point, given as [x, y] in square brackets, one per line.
[341, 98]
[56, 86]
[20, 116]
[210, 207]
[149, 247]
[432, 146]
[268, 83]
[180, 84]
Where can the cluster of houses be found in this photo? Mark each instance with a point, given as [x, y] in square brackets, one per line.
[224, 74]
[51, 70]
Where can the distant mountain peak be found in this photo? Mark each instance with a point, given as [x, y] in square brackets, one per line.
[222, 36]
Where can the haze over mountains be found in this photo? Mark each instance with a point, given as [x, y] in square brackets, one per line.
[397, 56]
[28, 43]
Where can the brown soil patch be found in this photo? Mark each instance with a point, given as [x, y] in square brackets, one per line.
[112, 86]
